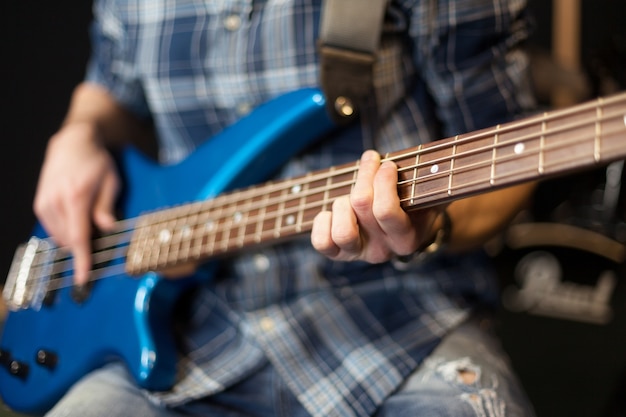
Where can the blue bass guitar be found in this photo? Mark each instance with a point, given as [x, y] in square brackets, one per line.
[51, 337]
[197, 210]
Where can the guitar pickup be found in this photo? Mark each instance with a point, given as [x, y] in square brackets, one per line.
[27, 283]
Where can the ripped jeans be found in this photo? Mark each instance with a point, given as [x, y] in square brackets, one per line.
[467, 375]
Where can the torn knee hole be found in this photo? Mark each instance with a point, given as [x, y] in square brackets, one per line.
[462, 371]
[467, 376]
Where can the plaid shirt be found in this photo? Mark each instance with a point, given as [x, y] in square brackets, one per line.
[343, 335]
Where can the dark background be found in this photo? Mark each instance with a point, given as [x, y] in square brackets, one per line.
[568, 368]
[44, 49]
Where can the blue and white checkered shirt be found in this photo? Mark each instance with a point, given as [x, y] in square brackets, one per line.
[342, 335]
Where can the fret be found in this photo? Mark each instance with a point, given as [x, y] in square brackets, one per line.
[148, 242]
[250, 208]
[199, 229]
[149, 257]
[230, 226]
[451, 172]
[134, 258]
[414, 174]
[260, 222]
[162, 236]
[326, 199]
[408, 175]
[302, 204]
[278, 220]
[315, 200]
[244, 222]
[432, 172]
[212, 229]
[542, 145]
[598, 131]
[169, 249]
[169, 241]
[269, 222]
[186, 245]
[250, 213]
[181, 241]
[494, 156]
[612, 127]
[290, 208]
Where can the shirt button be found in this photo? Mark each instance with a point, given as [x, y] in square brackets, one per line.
[267, 324]
[261, 263]
[244, 108]
[232, 22]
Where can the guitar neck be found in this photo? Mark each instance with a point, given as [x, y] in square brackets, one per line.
[547, 145]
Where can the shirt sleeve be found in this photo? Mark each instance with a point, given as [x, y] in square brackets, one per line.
[470, 58]
[112, 61]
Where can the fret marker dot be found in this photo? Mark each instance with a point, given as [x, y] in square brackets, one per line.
[290, 220]
[296, 189]
[237, 217]
[165, 236]
[434, 169]
[210, 225]
[186, 231]
[519, 148]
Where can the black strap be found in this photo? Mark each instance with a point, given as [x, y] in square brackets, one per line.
[350, 32]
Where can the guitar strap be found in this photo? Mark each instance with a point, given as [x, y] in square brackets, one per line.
[350, 33]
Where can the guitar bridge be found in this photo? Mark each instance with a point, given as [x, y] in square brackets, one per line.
[27, 283]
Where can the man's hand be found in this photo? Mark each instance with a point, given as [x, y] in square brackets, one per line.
[369, 224]
[78, 187]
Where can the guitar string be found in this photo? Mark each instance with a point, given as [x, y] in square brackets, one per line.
[62, 263]
[444, 173]
[473, 151]
[231, 211]
[257, 191]
[283, 187]
[122, 224]
[304, 226]
[117, 268]
[227, 236]
[547, 117]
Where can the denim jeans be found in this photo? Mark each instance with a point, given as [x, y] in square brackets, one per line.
[467, 375]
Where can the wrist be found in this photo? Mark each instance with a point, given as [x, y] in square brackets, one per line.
[440, 240]
[443, 235]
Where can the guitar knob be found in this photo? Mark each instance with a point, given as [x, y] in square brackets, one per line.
[15, 368]
[46, 358]
[18, 369]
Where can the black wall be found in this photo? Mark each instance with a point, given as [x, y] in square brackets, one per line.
[44, 48]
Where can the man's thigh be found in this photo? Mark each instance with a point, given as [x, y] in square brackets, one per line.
[108, 391]
[468, 374]
[111, 392]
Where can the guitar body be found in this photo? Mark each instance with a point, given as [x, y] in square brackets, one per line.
[128, 318]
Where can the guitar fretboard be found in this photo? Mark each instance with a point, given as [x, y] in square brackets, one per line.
[546, 145]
